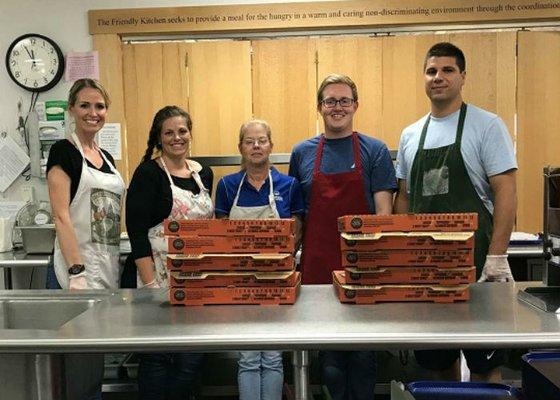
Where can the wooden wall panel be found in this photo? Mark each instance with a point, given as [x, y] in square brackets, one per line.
[221, 87]
[284, 89]
[155, 78]
[174, 85]
[538, 141]
[134, 144]
[361, 59]
[144, 94]
[220, 99]
[111, 76]
[491, 65]
[404, 97]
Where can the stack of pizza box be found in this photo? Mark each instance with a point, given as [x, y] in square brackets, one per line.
[406, 257]
[222, 261]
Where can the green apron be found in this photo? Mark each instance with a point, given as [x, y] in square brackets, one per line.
[440, 183]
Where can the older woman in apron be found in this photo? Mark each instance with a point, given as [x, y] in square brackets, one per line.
[167, 186]
[259, 191]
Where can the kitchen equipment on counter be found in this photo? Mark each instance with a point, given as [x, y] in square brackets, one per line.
[34, 229]
[548, 298]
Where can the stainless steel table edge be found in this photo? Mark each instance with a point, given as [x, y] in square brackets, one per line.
[109, 345]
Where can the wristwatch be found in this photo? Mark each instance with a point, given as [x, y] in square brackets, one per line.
[76, 269]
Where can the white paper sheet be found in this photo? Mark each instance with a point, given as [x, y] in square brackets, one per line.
[81, 65]
[9, 209]
[109, 138]
[13, 161]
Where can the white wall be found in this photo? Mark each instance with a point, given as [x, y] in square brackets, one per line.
[65, 21]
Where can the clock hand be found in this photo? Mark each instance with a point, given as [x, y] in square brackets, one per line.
[28, 52]
[33, 64]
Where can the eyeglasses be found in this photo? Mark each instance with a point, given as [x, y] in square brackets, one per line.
[262, 141]
[331, 102]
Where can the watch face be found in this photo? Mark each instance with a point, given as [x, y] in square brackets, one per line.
[35, 62]
[76, 269]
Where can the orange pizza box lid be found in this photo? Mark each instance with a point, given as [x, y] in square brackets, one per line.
[257, 275]
[234, 295]
[230, 244]
[405, 275]
[227, 227]
[254, 256]
[339, 277]
[439, 236]
[371, 223]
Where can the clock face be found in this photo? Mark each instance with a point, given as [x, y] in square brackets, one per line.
[35, 62]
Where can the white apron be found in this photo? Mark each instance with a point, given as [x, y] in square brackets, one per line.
[267, 211]
[186, 205]
[95, 212]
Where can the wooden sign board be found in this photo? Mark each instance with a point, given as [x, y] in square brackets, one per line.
[317, 15]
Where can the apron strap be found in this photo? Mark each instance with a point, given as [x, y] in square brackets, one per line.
[271, 199]
[355, 150]
[319, 155]
[460, 125]
[78, 145]
[195, 175]
[236, 198]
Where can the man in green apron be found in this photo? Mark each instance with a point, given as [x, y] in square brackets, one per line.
[459, 158]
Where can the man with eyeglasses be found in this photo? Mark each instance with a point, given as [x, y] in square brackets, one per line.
[460, 158]
[341, 172]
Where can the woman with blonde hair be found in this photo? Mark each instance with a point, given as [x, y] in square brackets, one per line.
[85, 191]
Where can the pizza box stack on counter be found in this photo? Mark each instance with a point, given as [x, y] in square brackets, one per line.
[406, 257]
[223, 261]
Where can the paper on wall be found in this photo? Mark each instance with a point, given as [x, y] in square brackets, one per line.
[13, 161]
[109, 138]
[9, 209]
[81, 65]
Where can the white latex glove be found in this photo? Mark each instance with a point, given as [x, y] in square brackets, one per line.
[496, 269]
[151, 285]
[78, 282]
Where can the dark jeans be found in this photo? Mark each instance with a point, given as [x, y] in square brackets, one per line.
[52, 283]
[166, 376]
[349, 375]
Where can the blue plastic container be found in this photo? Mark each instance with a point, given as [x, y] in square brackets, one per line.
[436, 390]
[540, 375]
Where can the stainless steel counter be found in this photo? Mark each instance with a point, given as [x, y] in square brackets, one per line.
[57, 322]
[535, 251]
[143, 320]
[20, 259]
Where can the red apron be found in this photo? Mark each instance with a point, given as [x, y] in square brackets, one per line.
[332, 196]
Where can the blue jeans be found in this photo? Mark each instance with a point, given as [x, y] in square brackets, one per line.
[168, 376]
[349, 375]
[260, 375]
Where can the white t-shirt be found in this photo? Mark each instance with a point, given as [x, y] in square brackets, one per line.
[486, 147]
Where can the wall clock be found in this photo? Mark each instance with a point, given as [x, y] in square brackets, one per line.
[35, 62]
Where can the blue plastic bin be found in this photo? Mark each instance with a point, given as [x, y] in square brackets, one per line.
[540, 375]
[436, 390]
